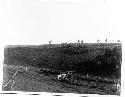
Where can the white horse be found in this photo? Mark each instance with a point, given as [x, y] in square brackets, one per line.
[118, 86]
[61, 76]
[26, 68]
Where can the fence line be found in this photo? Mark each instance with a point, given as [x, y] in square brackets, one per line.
[11, 79]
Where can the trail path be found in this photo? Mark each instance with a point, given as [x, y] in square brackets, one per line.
[20, 78]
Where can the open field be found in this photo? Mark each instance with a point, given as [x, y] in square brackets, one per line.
[97, 68]
[32, 81]
[66, 57]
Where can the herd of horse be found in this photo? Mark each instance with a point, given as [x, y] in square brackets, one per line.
[88, 80]
[70, 76]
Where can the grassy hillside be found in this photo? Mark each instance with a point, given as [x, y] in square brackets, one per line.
[99, 59]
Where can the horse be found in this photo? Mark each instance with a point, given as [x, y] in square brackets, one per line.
[61, 76]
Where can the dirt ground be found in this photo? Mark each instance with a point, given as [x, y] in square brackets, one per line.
[20, 78]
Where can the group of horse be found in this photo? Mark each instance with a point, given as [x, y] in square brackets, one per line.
[65, 76]
[70, 76]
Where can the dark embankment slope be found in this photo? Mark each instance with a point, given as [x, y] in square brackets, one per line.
[99, 59]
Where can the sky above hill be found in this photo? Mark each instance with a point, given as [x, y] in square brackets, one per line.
[39, 21]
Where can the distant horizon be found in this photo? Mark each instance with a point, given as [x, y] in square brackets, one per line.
[67, 42]
[58, 44]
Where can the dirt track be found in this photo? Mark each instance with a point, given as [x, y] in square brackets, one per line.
[32, 81]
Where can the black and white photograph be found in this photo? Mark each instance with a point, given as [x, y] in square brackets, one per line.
[61, 47]
[64, 68]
